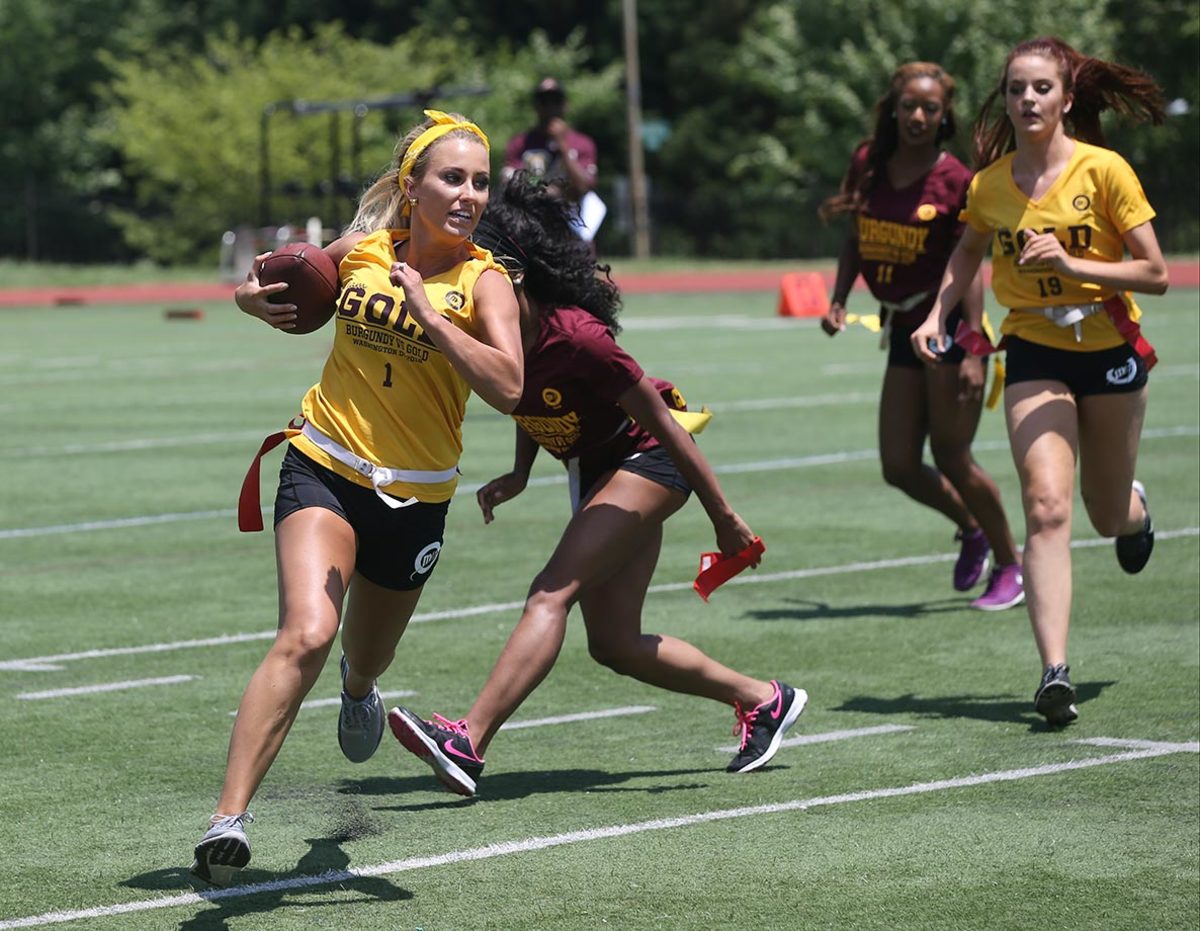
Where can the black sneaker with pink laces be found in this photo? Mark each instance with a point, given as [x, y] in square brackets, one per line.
[444, 744]
[762, 727]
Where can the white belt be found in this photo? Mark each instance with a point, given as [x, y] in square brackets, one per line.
[899, 307]
[378, 475]
[1065, 315]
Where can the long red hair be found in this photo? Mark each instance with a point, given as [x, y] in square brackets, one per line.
[1095, 86]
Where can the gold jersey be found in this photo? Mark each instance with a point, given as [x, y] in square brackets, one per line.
[387, 393]
[1089, 207]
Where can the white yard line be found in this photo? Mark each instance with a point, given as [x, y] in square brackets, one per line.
[829, 736]
[51, 663]
[590, 835]
[579, 716]
[764, 465]
[105, 687]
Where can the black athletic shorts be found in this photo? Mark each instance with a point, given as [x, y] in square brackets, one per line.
[900, 351]
[655, 464]
[397, 548]
[1106, 371]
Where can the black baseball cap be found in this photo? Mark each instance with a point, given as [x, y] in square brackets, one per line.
[549, 87]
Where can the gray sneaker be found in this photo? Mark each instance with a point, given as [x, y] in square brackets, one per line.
[360, 724]
[1055, 697]
[223, 850]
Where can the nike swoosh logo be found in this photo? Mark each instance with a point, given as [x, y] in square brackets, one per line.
[778, 709]
[448, 746]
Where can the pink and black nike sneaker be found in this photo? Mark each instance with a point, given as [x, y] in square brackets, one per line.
[762, 727]
[445, 745]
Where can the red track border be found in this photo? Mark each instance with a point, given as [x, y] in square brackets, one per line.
[1182, 275]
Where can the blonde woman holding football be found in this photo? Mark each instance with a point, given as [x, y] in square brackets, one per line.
[424, 318]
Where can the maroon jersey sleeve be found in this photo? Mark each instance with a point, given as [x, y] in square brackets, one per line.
[512, 151]
[608, 370]
[585, 150]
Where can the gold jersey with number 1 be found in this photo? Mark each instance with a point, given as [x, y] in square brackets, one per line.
[387, 393]
[1089, 207]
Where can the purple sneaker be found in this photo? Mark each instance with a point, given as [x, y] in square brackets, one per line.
[972, 559]
[1005, 589]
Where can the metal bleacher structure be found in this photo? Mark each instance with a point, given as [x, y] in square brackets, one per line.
[241, 244]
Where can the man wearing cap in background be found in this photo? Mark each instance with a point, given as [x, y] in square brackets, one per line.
[561, 156]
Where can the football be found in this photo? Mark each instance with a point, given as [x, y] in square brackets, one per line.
[312, 283]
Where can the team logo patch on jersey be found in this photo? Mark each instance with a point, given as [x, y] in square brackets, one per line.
[426, 559]
[1122, 374]
[455, 300]
[552, 397]
[926, 212]
[1081, 202]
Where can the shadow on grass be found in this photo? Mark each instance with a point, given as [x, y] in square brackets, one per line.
[324, 856]
[981, 707]
[514, 785]
[799, 609]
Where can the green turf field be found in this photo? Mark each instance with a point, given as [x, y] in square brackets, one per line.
[919, 789]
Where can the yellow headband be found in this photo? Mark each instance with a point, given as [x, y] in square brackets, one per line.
[443, 123]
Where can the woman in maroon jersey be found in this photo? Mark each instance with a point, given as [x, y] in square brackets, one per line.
[631, 466]
[905, 194]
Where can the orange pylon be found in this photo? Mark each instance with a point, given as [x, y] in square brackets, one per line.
[803, 294]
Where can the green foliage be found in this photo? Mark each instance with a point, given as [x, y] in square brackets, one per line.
[144, 117]
[764, 130]
[192, 184]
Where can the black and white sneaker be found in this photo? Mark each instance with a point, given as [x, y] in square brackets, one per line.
[444, 744]
[1055, 697]
[360, 722]
[224, 849]
[762, 727]
[1134, 549]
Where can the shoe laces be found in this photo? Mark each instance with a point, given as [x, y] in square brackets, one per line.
[357, 712]
[743, 722]
[458, 729]
[230, 820]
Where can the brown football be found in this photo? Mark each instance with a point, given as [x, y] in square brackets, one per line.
[312, 283]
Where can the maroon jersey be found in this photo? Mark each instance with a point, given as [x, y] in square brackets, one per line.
[574, 375]
[905, 236]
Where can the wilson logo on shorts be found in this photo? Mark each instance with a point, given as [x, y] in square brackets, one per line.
[1122, 375]
[426, 559]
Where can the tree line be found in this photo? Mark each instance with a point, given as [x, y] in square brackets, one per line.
[136, 128]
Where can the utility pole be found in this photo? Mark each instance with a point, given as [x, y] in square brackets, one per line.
[633, 119]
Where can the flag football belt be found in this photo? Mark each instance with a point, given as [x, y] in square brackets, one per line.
[901, 307]
[1070, 315]
[250, 509]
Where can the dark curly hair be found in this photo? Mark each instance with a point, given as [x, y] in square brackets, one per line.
[531, 230]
